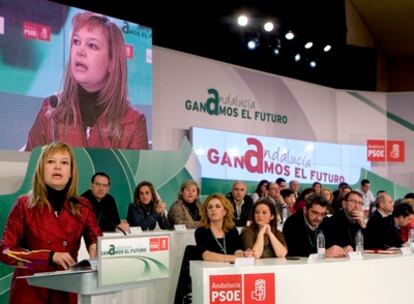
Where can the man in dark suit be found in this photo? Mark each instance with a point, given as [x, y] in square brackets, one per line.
[301, 229]
[342, 227]
[241, 202]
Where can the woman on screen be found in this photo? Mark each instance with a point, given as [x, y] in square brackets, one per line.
[44, 229]
[217, 237]
[93, 110]
[262, 236]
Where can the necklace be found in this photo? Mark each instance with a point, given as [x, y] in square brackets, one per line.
[222, 246]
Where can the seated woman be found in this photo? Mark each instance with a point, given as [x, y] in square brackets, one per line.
[186, 209]
[217, 238]
[147, 210]
[262, 236]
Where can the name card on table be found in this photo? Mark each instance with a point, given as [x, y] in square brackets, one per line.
[406, 251]
[355, 256]
[135, 230]
[180, 227]
[244, 261]
[314, 258]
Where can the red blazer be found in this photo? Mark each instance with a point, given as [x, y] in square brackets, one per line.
[31, 234]
[133, 131]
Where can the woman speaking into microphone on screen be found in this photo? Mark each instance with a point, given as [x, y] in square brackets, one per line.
[93, 110]
[44, 228]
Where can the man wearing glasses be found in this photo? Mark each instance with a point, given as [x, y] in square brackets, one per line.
[104, 204]
[301, 229]
[342, 227]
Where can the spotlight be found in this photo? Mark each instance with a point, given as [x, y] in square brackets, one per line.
[289, 35]
[297, 57]
[308, 45]
[312, 64]
[252, 44]
[276, 51]
[327, 48]
[242, 20]
[268, 26]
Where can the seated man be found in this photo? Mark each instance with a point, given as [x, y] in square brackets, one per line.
[384, 207]
[104, 204]
[387, 233]
[241, 202]
[301, 229]
[341, 228]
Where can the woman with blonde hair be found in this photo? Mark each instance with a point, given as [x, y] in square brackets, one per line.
[186, 209]
[93, 110]
[217, 238]
[328, 196]
[44, 229]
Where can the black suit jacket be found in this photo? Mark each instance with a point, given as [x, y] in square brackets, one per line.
[245, 212]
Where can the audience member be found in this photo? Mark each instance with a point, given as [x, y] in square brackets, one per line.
[242, 203]
[262, 236]
[147, 210]
[104, 204]
[328, 196]
[388, 233]
[341, 228]
[281, 182]
[301, 229]
[294, 186]
[261, 190]
[384, 207]
[217, 238]
[367, 195]
[317, 187]
[186, 209]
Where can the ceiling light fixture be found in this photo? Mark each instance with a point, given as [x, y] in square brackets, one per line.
[268, 26]
[289, 35]
[242, 20]
[327, 48]
[308, 45]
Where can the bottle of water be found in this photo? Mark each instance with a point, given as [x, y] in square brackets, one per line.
[411, 239]
[320, 244]
[359, 242]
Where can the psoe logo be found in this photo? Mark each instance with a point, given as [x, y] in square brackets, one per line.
[36, 31]
[159, 244]
[259, 288]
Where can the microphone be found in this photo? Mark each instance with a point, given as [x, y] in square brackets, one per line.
[53, 101]
[75, 201]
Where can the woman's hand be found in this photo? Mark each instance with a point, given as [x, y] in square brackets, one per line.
[63, 259]
[161, 207]
[248, 253]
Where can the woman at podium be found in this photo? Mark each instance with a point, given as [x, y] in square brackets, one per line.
[44, 228]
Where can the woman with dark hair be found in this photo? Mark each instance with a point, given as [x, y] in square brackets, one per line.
[93, 110]
[262, 236]
[186, 209]
[44, 229]
[217, 237]
[261, 190]
[147, 210]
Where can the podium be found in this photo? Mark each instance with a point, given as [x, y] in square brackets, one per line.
[84, 283]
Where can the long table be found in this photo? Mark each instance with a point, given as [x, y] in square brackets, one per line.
[378, 279]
